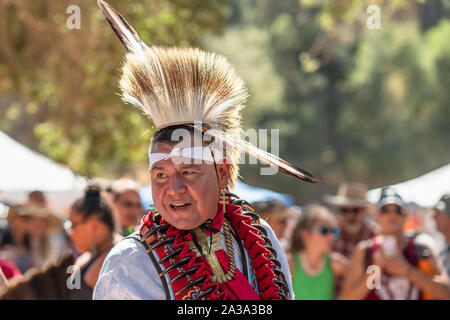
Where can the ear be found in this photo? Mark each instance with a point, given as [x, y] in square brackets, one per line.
[124, 31]
[223, 171]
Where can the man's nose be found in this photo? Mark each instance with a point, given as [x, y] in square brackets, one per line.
[176, 184]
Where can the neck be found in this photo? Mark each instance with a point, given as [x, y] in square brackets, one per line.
[313, 257]
[108, 242]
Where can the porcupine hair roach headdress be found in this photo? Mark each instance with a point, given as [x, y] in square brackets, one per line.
[175, 86]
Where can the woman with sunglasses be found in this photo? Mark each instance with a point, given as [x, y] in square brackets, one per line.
[314, 267]
[388, 266]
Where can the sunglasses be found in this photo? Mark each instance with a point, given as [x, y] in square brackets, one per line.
[324, 230]
[398, 210]
[351, 210]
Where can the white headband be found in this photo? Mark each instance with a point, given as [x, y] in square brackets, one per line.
[183, 155]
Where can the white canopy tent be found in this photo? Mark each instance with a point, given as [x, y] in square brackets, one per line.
[424, 190]
[23, 170]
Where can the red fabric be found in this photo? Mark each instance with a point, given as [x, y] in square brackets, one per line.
[268, 289]
[9, 269]
[237, 288]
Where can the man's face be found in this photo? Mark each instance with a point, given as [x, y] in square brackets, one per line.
[442, 221]
[352, 218]
[129, 208]
[186, 195]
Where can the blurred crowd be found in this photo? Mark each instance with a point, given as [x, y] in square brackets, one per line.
[349, 248]
[46, 256]
[343, 248]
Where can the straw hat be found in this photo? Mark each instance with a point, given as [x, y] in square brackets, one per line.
[352, 194]
[34, 212]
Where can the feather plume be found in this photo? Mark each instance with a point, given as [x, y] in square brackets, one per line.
[187, 85]
[124, 31]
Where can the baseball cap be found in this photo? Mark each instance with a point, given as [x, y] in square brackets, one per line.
[444, 204]
[389, 196]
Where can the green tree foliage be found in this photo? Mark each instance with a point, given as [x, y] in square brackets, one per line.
[351, 103]
[58, 86]
[356, 104]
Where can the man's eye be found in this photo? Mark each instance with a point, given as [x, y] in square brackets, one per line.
[161, 175]
[188, 172]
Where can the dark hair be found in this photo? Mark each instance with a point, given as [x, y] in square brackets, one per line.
[37, 197]
[165, 135]
[92, 204]
[309, 217]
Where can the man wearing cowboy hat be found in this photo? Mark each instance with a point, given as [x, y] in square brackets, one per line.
[352, 206]
[406, 268]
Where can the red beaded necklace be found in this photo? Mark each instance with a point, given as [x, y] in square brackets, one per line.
[188, 275]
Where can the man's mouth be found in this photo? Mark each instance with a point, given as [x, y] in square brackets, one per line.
[179, 205]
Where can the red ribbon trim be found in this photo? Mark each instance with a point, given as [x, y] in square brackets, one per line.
[236, 288]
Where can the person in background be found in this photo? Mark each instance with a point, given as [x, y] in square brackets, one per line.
[278, 216]
[37, 199]
[6, 237]
[18, 247]
[91, 231]
[45, 244]
[128, 209]
[388, 266]
[3, 279]
[314, 266]
[442, 217]
[47, 283]
[352, 207]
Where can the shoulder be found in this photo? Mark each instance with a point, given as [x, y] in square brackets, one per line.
[362, 251]
[128, 273]
[272, 237]
[339, 263]
[126, 248]
[267, 227]
[123, 253]
[425, 244]
[338, 258]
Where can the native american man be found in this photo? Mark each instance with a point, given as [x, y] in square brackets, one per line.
[201, 241]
